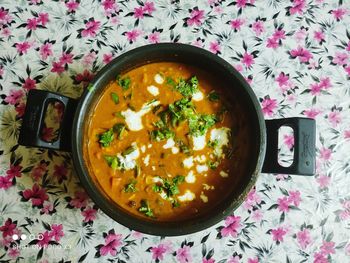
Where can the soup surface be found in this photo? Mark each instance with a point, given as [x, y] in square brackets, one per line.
[159, 142]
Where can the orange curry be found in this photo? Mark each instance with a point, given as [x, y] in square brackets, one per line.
[159, 141]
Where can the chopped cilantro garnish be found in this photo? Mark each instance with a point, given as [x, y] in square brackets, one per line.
[213, 144]
[106, 138]
[115, 97]
[170, 81]
[130, 187]
[186, 88]
[213, 165]
[119, 129]
[199, 124]
[170, 188]
[213, 96]
[145, 209]
[161, 134]
[184, 148]
[124, 83]
[113, 162]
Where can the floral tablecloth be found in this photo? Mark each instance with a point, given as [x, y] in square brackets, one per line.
[296, 56]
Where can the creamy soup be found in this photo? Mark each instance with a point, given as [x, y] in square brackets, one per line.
[159, 141]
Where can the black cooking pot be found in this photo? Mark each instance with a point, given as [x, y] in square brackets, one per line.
[256, 140]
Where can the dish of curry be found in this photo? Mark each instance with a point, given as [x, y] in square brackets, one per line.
[159, 141]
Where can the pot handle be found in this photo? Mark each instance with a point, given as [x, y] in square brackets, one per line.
[34, 117]
[304, 146]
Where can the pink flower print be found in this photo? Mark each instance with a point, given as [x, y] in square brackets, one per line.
[340, 58]
[47, 208]
[214, 47]
[325, 83]
[183, 255]
[239, 67]
[212, 2]
[282, 79]
[14, 171]
[159, 251]
[43, 18]
[72, 6]
[5, 182]
[236, 24]
[252, 199]
[211, 260]
[298, 7]
[312, 113]
[57, 67]
[279, 34]
[247, 59]
[319, 36]
[288, 140]
[294, 197]
[22, 48]
[154, 37]
[137, 235]
[300, 35]
[348, 47]
[13, 252]
[334, 118]
[347, 134]
[218, 10]
[232, 226]
[241, 3]
[20, 108]
[60, 172]
[37, 195]
[89, 214]
[46, 238]
[80, 199]
[323, 181]
[5, 18]
[304, 238]
[303, 54]
[85, 77]
[133, 35]
[278, 234]
[257, 215]
[272, 43]
[327, 248]
[89, 58]
[66, 58]
[148, 7]
[138, 12]
[46, 51]
[258, 27]
[14, 97]
[5, 32]
[108, 4]
[57, 232]
[253, 260]
[347, 70]
[8, 229]
[32, 23]
[319, 257]
[339, 13]
[325, 154]
[233, 259]
[112, 243]
[196, 17]
[107, 58]
[29, 84]
[91, 28]
[283, 204]
[269, 106]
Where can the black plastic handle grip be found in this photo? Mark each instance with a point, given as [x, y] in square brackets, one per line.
[33, 120]
[304, 146]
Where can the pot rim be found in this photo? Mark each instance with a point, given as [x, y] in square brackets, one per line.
[108, 206]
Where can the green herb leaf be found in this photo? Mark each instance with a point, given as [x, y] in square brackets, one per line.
[115, 97]
[113, 162]
[130, 187]
[199, 124]
[128, 150]
[124, 83]
[170, 81]
[213, 96]
[106, 138]
[119, 129]
[161, 134]
[213, 165]
[145, 209]
[213, 144]
[170, 188]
